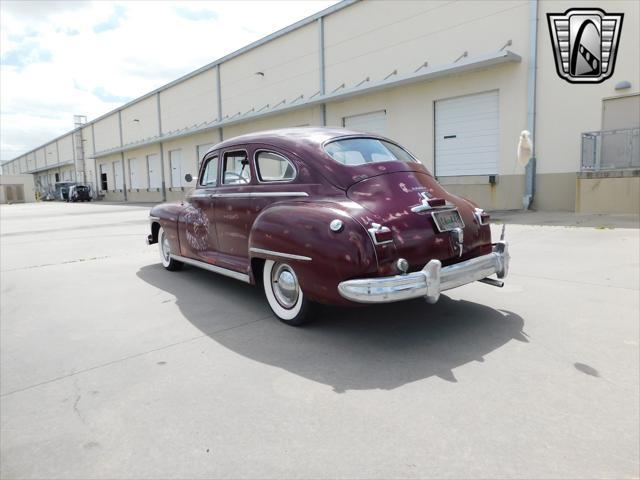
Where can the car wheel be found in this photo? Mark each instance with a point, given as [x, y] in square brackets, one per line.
[169, 263]
[284, 295]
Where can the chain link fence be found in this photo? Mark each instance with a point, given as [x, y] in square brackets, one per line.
[611, 150]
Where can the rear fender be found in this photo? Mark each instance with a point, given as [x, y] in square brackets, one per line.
[298, 233]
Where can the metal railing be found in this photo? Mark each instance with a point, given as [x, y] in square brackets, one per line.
[610, 150]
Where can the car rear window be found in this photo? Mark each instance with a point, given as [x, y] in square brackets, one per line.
[362, 151]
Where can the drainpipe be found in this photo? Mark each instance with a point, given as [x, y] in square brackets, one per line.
[124, 182]
[163, 184]
[219, 94]
[323, 106]
[530, 170]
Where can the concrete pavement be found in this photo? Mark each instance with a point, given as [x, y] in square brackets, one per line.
[112, 367]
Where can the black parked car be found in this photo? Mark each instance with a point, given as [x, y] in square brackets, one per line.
[79, 193]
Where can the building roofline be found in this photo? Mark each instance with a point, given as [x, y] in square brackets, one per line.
[277, 34]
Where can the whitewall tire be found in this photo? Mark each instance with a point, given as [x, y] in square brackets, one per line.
[284, 295]
[165, 252]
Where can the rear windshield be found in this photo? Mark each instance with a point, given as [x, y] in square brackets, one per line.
[361, 151]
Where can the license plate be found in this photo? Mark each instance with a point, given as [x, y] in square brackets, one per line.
[447, 220]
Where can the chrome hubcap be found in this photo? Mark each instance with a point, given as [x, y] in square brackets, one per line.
[166, 250]
[284, 284]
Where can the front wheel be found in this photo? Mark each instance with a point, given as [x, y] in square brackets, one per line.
[168, 262]
[283, 292]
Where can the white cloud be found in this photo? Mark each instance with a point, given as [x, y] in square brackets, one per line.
[61, 58]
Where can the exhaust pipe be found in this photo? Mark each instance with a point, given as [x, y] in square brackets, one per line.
[491, 281]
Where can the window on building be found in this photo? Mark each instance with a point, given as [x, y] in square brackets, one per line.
[236, 168]
[57, 177]
[175, 163]
[202, 151]
[274, 168]
[155, 171]
[210, 174]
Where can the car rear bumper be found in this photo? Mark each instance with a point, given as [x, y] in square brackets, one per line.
[428, 282]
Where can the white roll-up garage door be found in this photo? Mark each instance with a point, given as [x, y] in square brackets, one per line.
[374, 122]
[467, 135]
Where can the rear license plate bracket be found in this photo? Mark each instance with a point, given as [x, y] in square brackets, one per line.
[447, 220]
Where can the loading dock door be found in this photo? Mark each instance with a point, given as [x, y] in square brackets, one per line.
[374, 122]
[155, 172]
[466, 135]
[117, 174]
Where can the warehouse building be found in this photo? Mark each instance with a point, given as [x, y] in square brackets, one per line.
[454, 82]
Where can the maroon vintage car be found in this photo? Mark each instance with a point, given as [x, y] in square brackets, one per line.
[319, 215]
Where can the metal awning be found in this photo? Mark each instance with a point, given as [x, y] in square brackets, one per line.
[49, 167]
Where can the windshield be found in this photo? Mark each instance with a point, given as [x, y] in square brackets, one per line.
[362, 151]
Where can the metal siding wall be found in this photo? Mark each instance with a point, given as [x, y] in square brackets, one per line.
[566, 110]
[88, 142]
[40, 158]
[290, 66]
[146, 126]
[189, 103]
[51, 154]
[372, 39]
[107, 133]
[65, 146]
[31, 162]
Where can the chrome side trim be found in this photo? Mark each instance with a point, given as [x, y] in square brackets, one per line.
[260, 194]
[200, 195]
[280, 254]
[243, 277]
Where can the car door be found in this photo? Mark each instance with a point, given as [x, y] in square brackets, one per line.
[198, 235]
[277, 177]
[233, 210]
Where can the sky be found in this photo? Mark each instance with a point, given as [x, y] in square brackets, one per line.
[64, 58]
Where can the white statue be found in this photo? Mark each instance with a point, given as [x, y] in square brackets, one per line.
[525, 148]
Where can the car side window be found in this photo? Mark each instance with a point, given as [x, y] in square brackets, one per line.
[272, 167]
[210, 173]
[236, 170]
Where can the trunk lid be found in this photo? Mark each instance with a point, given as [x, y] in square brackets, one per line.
[388, 199]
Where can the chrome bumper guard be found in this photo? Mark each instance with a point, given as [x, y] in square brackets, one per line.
[428, 282]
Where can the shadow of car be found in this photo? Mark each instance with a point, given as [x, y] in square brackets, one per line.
[358, 348]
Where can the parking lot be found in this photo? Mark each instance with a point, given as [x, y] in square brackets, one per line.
[112, 367]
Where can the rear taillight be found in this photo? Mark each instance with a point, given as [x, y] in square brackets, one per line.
[380, 234]
[436, 202]
[481, 216]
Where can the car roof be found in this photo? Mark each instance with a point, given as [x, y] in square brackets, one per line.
[292, 137]
[307, 144]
